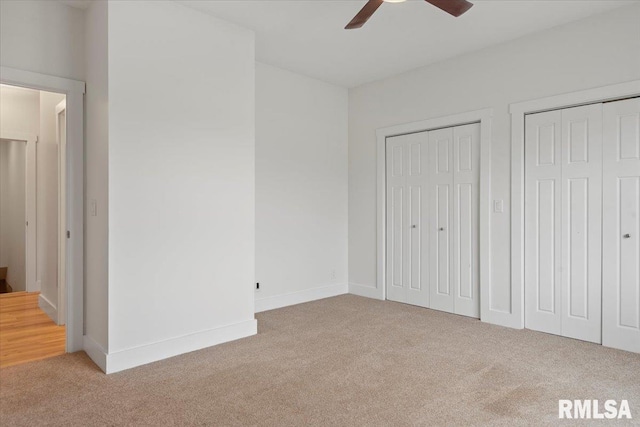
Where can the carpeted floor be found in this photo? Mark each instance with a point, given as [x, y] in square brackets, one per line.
[341, 361]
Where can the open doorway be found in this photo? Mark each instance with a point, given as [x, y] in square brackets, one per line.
[32, 224]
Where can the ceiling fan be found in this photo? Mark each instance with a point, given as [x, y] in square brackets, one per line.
[453, 7]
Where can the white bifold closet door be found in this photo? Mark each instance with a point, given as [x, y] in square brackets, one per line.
[432, 219]
[621, 225]
[453, 217]
[407, 225]
[563, 205]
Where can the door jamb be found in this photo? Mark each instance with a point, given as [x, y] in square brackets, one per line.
[518, 111]
[62, 213]
[74, 90]
[479, 116]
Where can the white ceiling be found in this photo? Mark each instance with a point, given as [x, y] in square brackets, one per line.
[307, 36]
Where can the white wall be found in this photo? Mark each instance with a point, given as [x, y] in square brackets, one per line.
[96, 228]
[19, 110]
[597, 51]
[47, 198]
[301, 188]
[181, 181]
[44, 36]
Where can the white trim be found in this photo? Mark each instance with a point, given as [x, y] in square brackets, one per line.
[364, 290]
[48, 307]
[31, 80]
[574, 99]
[95, 352]
[17, 136]
[484, 118]
[75, 200]
[31, 217]
[518, 111]
[30, 253]
[62, 213]
[62, 106]
[285, 300]
[137, 356]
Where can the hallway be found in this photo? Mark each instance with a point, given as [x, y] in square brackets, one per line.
[26, 332]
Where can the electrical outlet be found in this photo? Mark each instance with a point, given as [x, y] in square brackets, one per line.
[257, 286]
[93, 208]
[333, 275]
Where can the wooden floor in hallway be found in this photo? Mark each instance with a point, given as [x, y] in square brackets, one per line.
[26, 332]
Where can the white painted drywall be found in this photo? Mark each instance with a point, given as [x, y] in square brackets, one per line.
[19, 110]
[12, 212]
[597, 51]
[301, 187]
[43, 36]
[181, 179]
[96, 228]
[47, 198]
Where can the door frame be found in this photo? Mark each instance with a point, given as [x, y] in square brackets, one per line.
[74, 91]
[62, 213]
[518, 111]
[30, 207]
[483, 117]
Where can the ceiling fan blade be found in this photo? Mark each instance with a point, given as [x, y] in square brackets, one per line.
[364, 14]
[453, 7]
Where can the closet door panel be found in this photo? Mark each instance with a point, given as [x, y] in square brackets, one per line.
[543, 219]
[396, 218]
[581, 222]
[407, 263]
[465, 231]
[621, 225]
[417, 292]
[442, 242]
[441, 218]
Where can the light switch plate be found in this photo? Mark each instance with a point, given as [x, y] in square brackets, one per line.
[498, 206]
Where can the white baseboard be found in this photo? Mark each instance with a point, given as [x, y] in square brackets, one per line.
[130, 358]
[313, 294]
[48, 307]
[365, 291]
[95, 352]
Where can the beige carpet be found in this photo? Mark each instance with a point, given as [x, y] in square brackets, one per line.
[341, 361]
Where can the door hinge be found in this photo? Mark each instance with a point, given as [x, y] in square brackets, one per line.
[68, 234]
